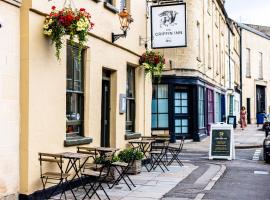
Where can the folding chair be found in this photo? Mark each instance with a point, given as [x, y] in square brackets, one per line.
[123, 173]
[57, 177]
[175, 151]
[92, 151]
[96, 177]
[158, 154]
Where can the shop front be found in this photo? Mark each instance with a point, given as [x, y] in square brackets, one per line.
[185, 106]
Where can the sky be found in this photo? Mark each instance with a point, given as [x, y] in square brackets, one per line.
[249, 11]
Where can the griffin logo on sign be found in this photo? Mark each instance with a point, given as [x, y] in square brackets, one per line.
[167, 18]
[221, 134]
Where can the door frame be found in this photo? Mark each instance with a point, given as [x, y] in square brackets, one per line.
[187, 116]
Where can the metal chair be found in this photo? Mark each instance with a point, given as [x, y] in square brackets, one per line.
[158, 154]
[175, 152]
[95, 177]
[93, 153]
[123, 173]
[57, 177]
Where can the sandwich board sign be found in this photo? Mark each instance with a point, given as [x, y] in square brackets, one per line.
[221, 142]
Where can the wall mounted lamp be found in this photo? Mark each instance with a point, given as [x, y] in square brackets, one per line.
[125, 20]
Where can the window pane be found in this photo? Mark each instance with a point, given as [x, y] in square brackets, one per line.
[177, 129]
[184, 129]
[177, 95]
[130, 89]
[184, 102]
[177, 122]
[77, 75]
[162, 91]
[184, 110]
[177, 110]
[154, 121]
[130, 82]
[163, 120]
[184, 122]
[177, 102]
[154, 92]
[154, 106]
[163, 105]
[184, 95]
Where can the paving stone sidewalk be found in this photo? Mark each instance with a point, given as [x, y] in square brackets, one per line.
[149, 185]
[251, 137]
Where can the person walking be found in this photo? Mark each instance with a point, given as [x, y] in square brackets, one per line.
[243, 117]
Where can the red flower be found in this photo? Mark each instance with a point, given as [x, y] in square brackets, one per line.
[53, 7]
[82, 9]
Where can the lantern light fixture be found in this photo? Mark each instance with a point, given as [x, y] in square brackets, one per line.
[125, 20]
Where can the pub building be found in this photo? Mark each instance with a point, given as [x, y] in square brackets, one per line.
[202, 66]
[78, 100]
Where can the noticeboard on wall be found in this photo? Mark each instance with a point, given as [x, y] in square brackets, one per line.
[168, 26]
[221, 142]
[122, 103]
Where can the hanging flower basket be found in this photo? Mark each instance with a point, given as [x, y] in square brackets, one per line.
[67, 21]
[153, 63]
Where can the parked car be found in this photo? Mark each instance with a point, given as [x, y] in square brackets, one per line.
[266, 124]
[266, 149]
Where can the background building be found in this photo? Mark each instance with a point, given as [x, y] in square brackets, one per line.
[9, 97]
[232, 71]
[255, 70]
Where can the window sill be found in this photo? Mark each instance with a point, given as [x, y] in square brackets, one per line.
[77, 140]
[132, 135]
[110, 7]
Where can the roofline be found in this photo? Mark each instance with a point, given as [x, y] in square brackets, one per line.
[252, 30]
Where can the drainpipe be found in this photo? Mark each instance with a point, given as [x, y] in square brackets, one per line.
[241, 62]
[230, 71]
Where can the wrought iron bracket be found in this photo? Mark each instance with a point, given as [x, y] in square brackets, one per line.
[117, 36]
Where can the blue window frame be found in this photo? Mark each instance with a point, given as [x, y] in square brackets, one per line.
[160, 116]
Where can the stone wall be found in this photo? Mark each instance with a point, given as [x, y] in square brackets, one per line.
[9, 99]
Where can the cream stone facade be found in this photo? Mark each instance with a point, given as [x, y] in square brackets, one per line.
[232, 71]
[43, 83]
[255, 71]
[9, 97]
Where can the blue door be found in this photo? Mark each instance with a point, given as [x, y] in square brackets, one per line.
[181, 113]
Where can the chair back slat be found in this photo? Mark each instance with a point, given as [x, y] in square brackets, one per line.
[51, 160]
[50, 155]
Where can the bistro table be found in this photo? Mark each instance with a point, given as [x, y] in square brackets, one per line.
[104, 150]
[73, 159]
[143, 145]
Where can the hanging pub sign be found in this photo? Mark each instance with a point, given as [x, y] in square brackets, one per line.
[168, 26]
[221, 142]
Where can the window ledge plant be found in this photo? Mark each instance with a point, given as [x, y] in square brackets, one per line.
[153, 63]
[67, 21]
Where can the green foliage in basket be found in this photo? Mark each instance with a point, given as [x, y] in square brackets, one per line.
[127, 155]
[104, 160]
